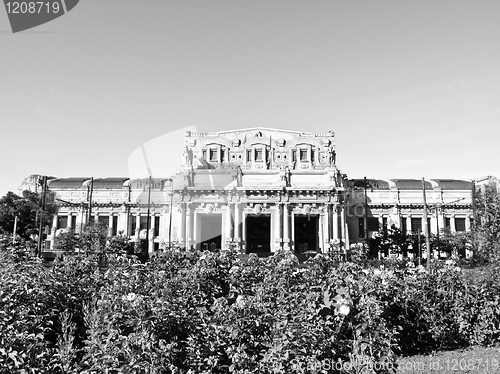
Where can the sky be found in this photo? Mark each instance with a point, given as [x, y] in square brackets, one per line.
[410, 88]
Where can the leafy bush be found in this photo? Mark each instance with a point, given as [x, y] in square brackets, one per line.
[210, 312]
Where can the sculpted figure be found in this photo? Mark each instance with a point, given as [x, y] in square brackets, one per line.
[331, 156]
[188, 156]
[287, 176]
[239, 176]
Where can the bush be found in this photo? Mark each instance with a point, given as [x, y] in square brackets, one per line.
[209, 312]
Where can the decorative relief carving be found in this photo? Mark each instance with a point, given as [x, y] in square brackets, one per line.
[280, 142]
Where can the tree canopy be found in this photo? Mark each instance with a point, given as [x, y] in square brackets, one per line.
[486, 227]
[27, 208]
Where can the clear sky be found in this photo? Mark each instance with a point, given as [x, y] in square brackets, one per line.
[410, 88]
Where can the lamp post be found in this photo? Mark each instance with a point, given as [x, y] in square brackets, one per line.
[43, 183]
[170, 213]
[91, 190]
[426, 228]
[148, 219]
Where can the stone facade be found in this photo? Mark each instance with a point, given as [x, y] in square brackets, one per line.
[257, 189]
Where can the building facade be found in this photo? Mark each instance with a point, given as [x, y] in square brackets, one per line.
[259, 190]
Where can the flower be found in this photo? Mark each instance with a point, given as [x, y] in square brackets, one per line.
[344, 310]
[130, 297]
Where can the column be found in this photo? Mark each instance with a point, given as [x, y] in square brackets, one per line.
[440, 219]
[228, 231]
[189, 226]
[82, 220]
[137, 226]
[452, 223]
[163, 225]
[322, 230]
[169, 227]
[196, 233]
[237, 223]
[110, 226]
[277, 221]
[286, 227]
[69, 227]
[343, 233]
[237, 214]
[432, 227]
[467, 223]
[334, 224]
[54, 225]
[326, 228]
[182, 226]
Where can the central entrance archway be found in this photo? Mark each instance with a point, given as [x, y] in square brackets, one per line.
[306, 233]
[210, 232]
[258, 234]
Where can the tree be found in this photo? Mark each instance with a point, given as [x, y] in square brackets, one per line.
[393, 241]
[451, 242]
[66, 241]
[27, 208]
[93, 238]
[486, 228]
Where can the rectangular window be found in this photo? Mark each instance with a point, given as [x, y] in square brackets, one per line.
[384, 223]
[447, 222]
[416, 224]
[222, 155]
[361, 227]
[115, 225]
[73, 222]
[133, 225]
[303, 155]
[373, 223]
[62, 222]
[157, 226]
[258, 155]
[144, 223]
[103, 221]
[213, 155]
[204, 154]
[249, 155]
[294, 155]
[404, 226]
[459, 224]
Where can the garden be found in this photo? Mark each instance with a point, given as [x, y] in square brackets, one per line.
[210, 312]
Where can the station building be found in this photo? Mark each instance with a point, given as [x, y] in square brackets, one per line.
[259, 190]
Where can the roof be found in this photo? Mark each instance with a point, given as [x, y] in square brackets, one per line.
[372, 184]
[411, 184]
[158, 183]
[453, 184]
[69, 183]
[109, 183]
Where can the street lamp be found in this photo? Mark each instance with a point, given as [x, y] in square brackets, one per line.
[170, 212]
[148, 219]
[43, 183]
